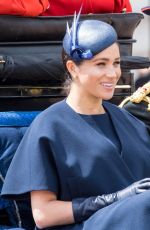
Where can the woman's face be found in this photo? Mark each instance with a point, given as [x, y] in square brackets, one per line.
[98, 77]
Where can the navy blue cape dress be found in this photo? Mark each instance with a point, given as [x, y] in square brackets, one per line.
[63, 153]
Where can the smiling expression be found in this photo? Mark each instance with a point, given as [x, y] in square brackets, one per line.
[98, 77]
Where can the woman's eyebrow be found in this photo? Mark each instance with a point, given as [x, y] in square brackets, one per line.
[105, 59]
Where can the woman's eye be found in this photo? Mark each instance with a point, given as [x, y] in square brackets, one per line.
[101, 64]
[117, 63]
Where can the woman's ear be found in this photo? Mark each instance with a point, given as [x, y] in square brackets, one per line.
[72, 68]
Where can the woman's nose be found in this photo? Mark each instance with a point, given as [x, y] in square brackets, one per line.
[111, 72]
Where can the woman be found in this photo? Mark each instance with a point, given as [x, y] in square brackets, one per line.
[85, 162]
[65, 7]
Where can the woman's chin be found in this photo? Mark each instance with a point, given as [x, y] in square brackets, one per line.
[108, 97]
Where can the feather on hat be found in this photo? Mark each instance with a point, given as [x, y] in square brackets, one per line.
[87, 38]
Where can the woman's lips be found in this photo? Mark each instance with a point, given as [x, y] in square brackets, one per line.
[108, 85]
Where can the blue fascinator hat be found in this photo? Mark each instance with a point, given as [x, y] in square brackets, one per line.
[87, 38]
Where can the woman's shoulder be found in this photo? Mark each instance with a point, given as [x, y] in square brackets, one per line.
[51, 114]
[53, 109]
[122, 113]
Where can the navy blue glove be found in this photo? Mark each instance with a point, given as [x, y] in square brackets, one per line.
[83, 208]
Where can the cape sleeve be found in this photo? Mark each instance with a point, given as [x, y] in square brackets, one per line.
[33, 166]
[121, 5]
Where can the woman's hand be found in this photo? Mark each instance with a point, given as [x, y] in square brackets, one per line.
[83, 208]
[135, 188]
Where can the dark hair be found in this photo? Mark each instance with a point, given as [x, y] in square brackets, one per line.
[66, 57]
[68, 78]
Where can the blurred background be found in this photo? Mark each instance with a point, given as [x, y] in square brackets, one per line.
[142, 36]
[142, 33]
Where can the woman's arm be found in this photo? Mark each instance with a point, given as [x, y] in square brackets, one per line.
[48, 211]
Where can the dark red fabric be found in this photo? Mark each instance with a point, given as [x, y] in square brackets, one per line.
[23, 7]
[67, 7]
[122, 5]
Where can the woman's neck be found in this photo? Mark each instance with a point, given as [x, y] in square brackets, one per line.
[84, 105]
